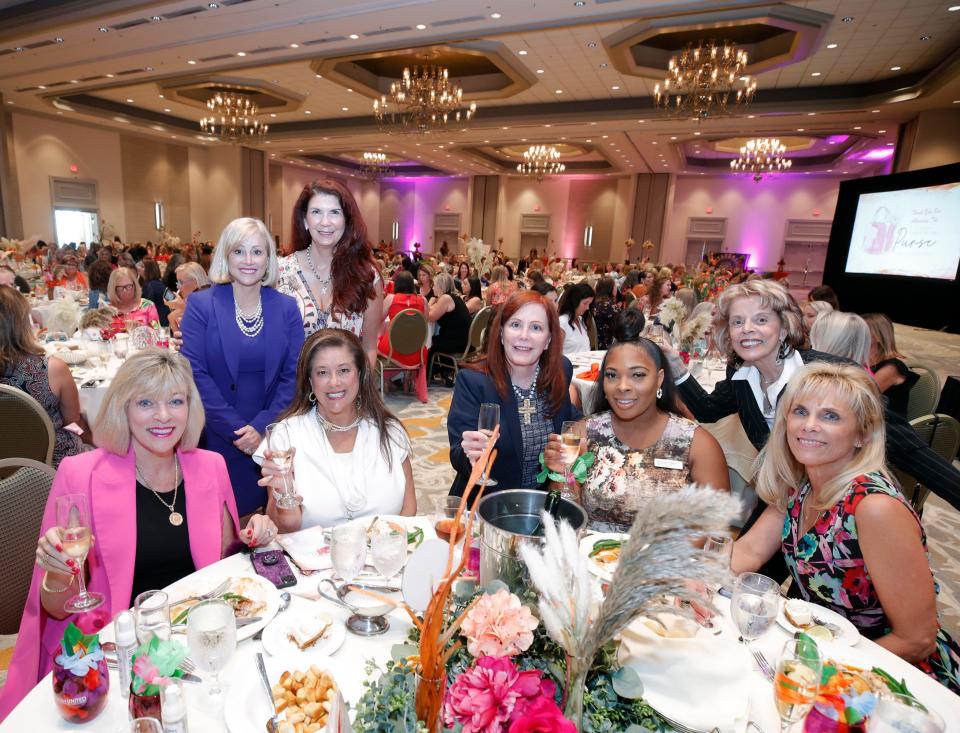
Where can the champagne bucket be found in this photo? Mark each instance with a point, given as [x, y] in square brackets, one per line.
[509, 519]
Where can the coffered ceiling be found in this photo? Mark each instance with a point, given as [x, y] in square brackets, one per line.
[835, 77]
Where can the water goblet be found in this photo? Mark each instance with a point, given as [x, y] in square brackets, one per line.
[151, 616]
[754, 604]
[797, 681]
[212, 638]
[389, 550]
[487, 422]
[73, 526]
[896, 713]
[348, 550]
[281, 453]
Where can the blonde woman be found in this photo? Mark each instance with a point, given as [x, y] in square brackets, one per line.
[425, 273]
[191, 277]
[849, 538]
[160, 508]
[123, 291]
[842, 334]
[243, 338]
[501, 286]
[813, 309]
[893, 377]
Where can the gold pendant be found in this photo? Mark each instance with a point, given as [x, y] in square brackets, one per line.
[176, 519]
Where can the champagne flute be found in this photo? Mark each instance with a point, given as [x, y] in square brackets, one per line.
[571, 438]
[212, 638]
[488, 421]
[721, 545]
[389, 550]
[281, 453]
[754, 604]
[151, 616]
[797, 681]
[73, 525]
[348, 550]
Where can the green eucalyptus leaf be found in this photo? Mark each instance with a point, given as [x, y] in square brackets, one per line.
[399, 652]
[627, 683]
[495, 585]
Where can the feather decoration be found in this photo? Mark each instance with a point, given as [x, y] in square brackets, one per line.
[695, 329]
[672, 310]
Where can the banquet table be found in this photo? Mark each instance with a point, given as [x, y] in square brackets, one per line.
[91, 396]
[37, 711]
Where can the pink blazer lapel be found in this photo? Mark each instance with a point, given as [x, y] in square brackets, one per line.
[205, 502]
[113, 509]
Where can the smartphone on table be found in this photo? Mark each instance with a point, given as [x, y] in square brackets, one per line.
[272, 565]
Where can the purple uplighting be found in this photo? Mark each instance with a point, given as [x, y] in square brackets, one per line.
[878, 154]
[837, 139]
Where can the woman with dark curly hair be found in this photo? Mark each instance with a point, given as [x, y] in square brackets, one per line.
[331, 272]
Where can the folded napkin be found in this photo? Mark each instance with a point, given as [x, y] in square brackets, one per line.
[689, 675]
[591, 374]
[307, 549]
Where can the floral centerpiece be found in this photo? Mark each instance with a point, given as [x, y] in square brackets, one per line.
[154, 663]
[80, 678]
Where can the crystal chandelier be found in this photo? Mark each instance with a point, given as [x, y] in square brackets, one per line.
[374, 166]
[424, 99]
[761, 155]
[540, 161]
[701, 81]
[233, 118]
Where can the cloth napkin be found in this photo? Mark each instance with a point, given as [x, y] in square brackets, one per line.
[689, 675]
[307, 549]
[591, 374]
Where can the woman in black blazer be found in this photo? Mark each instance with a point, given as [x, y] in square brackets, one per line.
[525, 373]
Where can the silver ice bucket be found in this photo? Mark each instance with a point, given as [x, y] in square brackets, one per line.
[509, 519]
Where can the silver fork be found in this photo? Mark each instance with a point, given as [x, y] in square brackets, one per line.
[762, 662]
[205, 596]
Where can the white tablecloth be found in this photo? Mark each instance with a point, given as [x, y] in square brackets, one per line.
[91, 397]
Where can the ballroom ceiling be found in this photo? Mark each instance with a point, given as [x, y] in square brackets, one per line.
[835, 77]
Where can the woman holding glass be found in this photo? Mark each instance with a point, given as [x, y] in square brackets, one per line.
[242, 339]
[850, 539]
[156, 510]
[349, 455]
[526, 375]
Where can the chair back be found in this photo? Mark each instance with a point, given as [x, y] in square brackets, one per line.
[407, 333]
[33, 437]
[23, 496]
[477, 326]
[942, 434]
[925, 393]
[592, 333]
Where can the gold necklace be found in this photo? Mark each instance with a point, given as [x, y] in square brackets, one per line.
[176, 518]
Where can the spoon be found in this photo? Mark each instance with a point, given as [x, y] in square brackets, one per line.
[285, 598]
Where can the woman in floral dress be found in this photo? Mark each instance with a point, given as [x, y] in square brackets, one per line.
[851, 541]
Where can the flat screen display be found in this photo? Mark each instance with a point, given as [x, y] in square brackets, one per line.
[912, 232]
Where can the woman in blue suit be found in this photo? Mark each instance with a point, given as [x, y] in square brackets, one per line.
[524, 372]
[243, 341]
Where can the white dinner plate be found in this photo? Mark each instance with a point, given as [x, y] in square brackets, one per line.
[246, 709]
[276, 639]
[848, 632]
[205, 580]
[604, 572]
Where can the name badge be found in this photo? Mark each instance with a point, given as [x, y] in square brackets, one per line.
[668, 463]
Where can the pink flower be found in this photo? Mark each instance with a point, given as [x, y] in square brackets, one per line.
[145, 669]
[498, 625]
[541, 716]
[486, 697]
[92, 621]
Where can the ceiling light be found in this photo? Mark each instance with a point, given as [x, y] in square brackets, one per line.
[832, 45]
[294, 45]
[353, 36]
[881, 131]
[815, 73]
[654, 142]
[273, 114]
[588, 141]
[604, 65]
[761, 156]
[539, 71]
[421, 27]
[191, 62]
[858, 127]
[847, 19]
[559, 91]
[18, 48]
[925, 37]
[58, 39]
[496, 16]
[700, 81]
[349, 89]
[156, 18]
[696, 133]
[161, 96]
[307, 112]
[213, 6]
[149, 68]
[592, 44]
[894, 68]
[233, 118]
[874, 111]
[615, 87]
[41, 86]
[130, 101]
[579, 3]
[953, 8]
[103, 29]
[166, 109]
[605, 137]
[344, 109]
[241, 53]
[74, 81]
[319, 76]
[800, 129]
[811, 114]
[522, 53]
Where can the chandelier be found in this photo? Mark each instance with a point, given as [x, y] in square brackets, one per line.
[701, 81]
[761, 155]
[540, 161]
[233, 118]
[374, 166]
[424, 99]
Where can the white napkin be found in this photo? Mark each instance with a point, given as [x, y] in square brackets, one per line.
[307, 548]
[689, 675]
[338, 720]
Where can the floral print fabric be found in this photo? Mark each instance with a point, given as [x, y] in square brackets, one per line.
[829, 569]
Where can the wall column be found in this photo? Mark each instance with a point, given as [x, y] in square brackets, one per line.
[928, 140]
[11, 220]
[649, 213]
[484, 205]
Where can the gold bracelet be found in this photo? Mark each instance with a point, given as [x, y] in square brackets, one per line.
[48, 589]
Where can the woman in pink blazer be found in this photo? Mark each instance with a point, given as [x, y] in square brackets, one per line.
[145, 472]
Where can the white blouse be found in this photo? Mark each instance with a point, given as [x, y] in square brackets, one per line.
[338, 486]
[575, 339]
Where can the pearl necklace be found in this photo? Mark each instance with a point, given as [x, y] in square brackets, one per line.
[527, 398]
[250, 326]
[332, 427]
[324, 282]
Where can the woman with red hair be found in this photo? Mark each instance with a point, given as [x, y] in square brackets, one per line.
[524, 366]
[331, 272]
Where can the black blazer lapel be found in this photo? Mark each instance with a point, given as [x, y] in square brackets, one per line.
[754, 424]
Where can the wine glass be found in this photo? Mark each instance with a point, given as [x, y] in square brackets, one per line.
[73, 525]
[488, 421]
[571, 436]
[105, 350]
[348, 549]
[655, 333]
[212, 638]
[444, 510]
[721, 545]
[895, 713]
[389, 550]
[281, 453]
[754, 604]
[121, 343]
[797, 681]
[151, 616]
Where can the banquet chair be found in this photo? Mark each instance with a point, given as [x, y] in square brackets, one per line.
[23, 495]
[942, 434]
[925, 393]
[33, 436]
[406, 335]
[592, 333]
[473, 347]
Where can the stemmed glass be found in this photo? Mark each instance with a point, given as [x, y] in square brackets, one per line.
[212, 638]
[488, 421]
[721, 545]
[754, 604]
[389, 550]
[145, 725]
[348, 550]
[797, 681]
[571, 436]
[121, 343]
[896, 713]
[281, 453]
[73, 525]
[151, 616]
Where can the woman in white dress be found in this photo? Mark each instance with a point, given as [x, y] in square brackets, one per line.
[575, 314]
[351, 455]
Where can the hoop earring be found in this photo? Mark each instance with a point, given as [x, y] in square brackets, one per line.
[312, 398]
[659, 392]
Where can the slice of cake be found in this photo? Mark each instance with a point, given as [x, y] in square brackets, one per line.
[307, 630]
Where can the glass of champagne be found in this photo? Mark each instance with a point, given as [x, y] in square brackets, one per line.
[389, 550]
[571, 437]
[281, 453]
[489, 419]
[797, 681]
[754, 604]
[348, 550]
[721, 545]
[151, 616]
[73, 525]
[212, 638]
[897, 713]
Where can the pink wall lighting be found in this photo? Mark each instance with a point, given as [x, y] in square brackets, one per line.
[709, 209]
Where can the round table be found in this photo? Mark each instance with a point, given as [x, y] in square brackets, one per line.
[91, 395]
